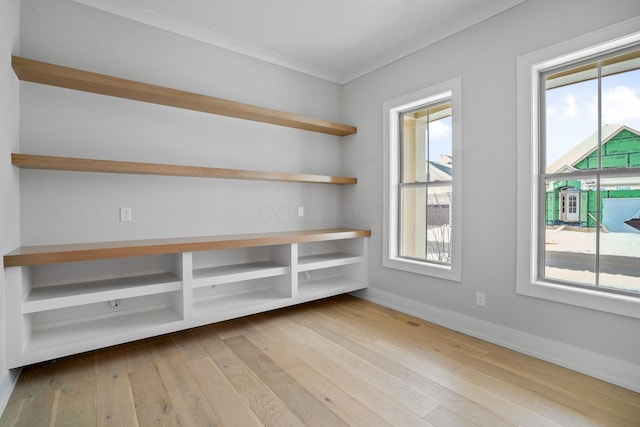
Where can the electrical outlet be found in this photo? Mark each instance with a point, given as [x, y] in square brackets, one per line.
[480, 299]
[125, 214]
[300, 211]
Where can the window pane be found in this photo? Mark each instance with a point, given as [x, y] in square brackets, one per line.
[414, 133]
[427, 144]
[439, 224]
[570, 235]
[439, 158]
[426, 223]
[620, 239]
[621, 107]
[413, 222]
[571, 100]
[591, 131]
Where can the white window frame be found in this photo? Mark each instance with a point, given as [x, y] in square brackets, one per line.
[529, 67]
[391, 109]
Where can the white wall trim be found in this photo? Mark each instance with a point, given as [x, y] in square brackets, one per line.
[145, 16]
[7, 384]
[615, 371]
[185, 29]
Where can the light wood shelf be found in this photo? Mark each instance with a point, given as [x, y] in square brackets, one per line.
[31, 161]
[47, 254]
[71, 78]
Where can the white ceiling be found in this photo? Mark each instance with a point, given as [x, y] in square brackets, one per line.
[337, 40]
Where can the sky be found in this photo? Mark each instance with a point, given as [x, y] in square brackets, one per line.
[571, 114]
[572, 110]
[439, 138]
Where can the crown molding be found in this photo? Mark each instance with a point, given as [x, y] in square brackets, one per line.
[428, 39]
[163, 22]
[160, 21]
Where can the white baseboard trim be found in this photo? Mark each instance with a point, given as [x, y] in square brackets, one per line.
[615, 371]
[7, 384]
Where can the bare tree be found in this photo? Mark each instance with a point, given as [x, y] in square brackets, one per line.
[439, 229]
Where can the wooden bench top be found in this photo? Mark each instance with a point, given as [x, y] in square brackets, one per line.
[48, 254]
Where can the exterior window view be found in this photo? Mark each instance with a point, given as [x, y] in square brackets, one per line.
[591, 173]
[426, 183]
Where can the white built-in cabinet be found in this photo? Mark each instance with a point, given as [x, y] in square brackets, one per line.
[70, 298]
[65, 307]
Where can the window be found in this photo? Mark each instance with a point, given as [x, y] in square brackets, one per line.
[579, 172]
[422, 181]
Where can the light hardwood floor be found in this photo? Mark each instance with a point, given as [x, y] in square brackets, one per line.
[341, 361]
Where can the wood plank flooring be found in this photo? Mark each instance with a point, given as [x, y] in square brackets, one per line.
[336, 362]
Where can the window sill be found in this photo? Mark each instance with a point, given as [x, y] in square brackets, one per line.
[623, 305]
[424, 268]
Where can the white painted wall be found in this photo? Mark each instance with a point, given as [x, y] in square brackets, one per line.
[9, 198]
[70, 207]
[485, 57]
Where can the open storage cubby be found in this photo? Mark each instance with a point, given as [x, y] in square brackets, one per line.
[324, 267]
[229, 283]
[222, 266]
[66, 299]
[58, 308]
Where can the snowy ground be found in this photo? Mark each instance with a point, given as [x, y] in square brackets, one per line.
[621, 244]
[618, 244]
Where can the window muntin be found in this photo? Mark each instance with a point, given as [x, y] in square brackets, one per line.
[590, 173]
[425, 185]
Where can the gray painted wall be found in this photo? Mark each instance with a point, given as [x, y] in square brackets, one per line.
[485, 57]
[73, 207]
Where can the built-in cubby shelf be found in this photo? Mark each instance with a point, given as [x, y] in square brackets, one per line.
[72, 78]
[326, 287]
[31, 161]
[55, 311]
[213, 276]
[315, 262]
[69, 295]
[55, 340]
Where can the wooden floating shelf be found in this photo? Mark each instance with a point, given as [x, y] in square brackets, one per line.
[71, 78]
[47, 254]
[30, 161]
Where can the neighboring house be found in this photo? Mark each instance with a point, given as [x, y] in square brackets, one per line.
[575, 202]
[440, 171]
[439, 203]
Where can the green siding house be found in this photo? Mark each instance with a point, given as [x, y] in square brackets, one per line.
[574, 202]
